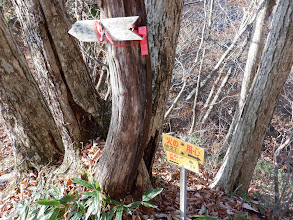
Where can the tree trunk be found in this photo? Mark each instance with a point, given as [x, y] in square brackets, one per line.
[130, 74]
[253, 59]
[32, 128]
[255, 116]
[164, 18]
[255, 49]
[62, 74]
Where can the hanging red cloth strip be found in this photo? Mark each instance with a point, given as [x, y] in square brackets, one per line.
[142, 31]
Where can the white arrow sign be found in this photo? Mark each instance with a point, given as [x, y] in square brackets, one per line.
[117, 28]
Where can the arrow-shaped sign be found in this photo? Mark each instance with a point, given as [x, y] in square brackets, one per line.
[183, 148]
[117, 28]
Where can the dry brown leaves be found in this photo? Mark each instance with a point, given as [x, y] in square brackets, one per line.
[201, 199]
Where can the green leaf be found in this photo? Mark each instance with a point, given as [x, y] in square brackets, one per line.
[71, 214]
[54, 214]
[48, 214]
[146, 204]
[88, 193]
[126, 209]
[35, 211]
[97, 185]
[89, 212]
[49, 202]
[112, 201]
[24, 217]
[66, 199]
[41, 183]
[83, 183]
[150, 194]
[111, 214]
[97, 204]
[81, 206]
[77, 216]
[134, 205]
[55, 188]
[104, 216]
[61, 214]
[119, 212]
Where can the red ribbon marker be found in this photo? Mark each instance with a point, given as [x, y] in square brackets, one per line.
[143, 31]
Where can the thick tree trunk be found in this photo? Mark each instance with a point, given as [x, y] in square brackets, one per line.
[130, 74]
[254, 118]
[62, 74]
[32, 128]
[164, 18]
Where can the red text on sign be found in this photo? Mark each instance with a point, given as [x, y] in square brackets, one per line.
[192, 150]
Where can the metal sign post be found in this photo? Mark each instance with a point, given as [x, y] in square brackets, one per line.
[183, 193]
[187, 156]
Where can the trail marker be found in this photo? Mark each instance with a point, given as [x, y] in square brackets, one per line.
[185, 162]
[183, 148]
[187, 156]
[111, 29]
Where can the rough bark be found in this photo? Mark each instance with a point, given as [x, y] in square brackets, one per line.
[255, 49]
[164, 18]
[253, 59]
[130, 74]
[60, 57]
[32, 128]
[61, 74]
[254, 118]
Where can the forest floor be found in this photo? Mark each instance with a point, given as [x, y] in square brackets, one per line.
[201, 200]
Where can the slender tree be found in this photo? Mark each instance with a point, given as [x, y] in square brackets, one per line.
[253, 59]
[254, 118]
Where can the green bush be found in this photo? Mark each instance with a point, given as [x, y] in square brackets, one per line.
[56, 204]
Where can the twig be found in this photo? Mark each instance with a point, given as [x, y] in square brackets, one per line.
[192, 3]
[278, 198]
[180, 93]
[93, 58]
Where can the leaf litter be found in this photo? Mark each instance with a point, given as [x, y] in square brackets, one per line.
[201, 199]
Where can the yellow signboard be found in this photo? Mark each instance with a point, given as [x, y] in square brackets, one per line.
[189, 164]
[173, 158]
[183, 148]
[185, 162]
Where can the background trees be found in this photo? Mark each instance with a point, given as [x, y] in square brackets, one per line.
[255, 116]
